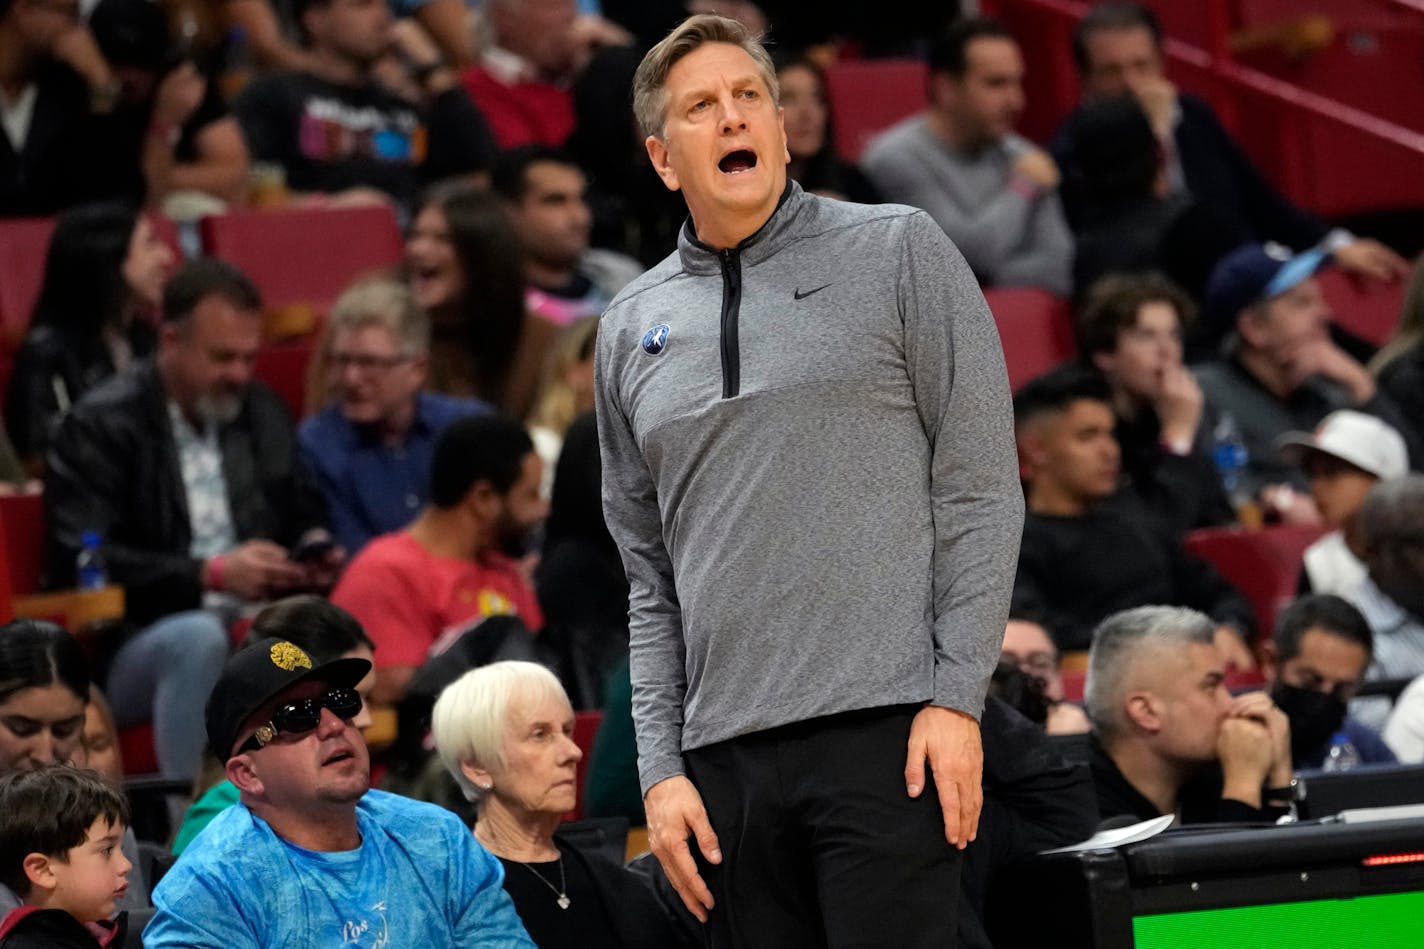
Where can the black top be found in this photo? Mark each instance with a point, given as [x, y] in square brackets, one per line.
[1183, 491]
[609, 907]
[30, 928]
[330, 137]
[1080, 570]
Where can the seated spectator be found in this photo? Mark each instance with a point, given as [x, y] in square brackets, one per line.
[1131, 331]
[565, 279]
[1346, 455]
[321, 630]
[464, 265]
[1314, 664]
[537, 50]
[1399, 366]
[334, 129]
[189, 472]
[44, 685]
[815, 164]
[504, 731]
[993, 192]
[1029, 648]
[1117, 48]
[565, 393]
[99, 744]
[1131, 222]
[416, 590]
[370, 448]
[1088, 549]
[59, 95]
[103, 280]
[310, 855]
[60, 830]
[1391, 524]
[582, 589]
[1281, 372]
[189, 148]
[1167, 737]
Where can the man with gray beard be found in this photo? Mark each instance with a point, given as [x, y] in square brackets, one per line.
[186, 471]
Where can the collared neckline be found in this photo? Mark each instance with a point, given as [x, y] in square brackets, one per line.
[766, 240]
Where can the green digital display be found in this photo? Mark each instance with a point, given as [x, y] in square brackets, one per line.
[1390, 921]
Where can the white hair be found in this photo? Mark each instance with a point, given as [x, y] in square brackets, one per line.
[470, 717]
[1119, 644]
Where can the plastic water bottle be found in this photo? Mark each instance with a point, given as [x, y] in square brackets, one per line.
[89, 563]
[1343, 755]
[1231, 457]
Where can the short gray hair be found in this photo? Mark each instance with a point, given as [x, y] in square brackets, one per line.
[650, 95]
[1391, 525]
[385, 302]
[471, 715]
[1123, 639]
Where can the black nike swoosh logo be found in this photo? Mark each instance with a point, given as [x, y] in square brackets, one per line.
[801, 296]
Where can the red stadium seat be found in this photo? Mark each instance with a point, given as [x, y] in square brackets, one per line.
[304, 258]
[283, 366]
[1371, 312]
[23, 518]
[1264, 564]
[23, 245]
[1035, 329]
[868, 95]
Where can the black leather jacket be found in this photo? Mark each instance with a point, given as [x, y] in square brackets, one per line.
[113, 468]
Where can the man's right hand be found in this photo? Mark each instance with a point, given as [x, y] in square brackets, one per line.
[1158, 98]
[259, 569]
[675, 813]
[1246, 751]
[1038, 167]
[1179, 404]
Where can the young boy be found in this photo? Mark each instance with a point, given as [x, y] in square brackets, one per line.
[60, 829]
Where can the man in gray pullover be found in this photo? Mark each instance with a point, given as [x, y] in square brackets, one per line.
[809, 469]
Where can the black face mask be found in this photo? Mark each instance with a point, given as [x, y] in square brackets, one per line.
[1314, 717]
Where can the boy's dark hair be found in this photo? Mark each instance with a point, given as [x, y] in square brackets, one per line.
[199, 279]
[949, 53]
[49, 811]
[1113, 301]
[1057, 389]
[320, 627]
[1113, 16]
[510, 177]
[1323, 611]
[477, 448]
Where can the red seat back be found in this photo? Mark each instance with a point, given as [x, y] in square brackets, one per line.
[24, 519]
[1370, 312]
[304, 257]
[283, 366]
[24, 242]
[585, 728]
[1264, 564]
[869, 95]
[1035, 329]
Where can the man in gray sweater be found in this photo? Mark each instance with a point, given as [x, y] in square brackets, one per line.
[809, 471]
[995, 193]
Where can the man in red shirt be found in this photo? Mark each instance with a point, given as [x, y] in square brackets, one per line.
[416, 590]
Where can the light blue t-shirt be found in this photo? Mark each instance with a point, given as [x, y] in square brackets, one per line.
[419, 878]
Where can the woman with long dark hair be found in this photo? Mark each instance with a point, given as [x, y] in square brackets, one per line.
[463, 264]
[103, 282]
[809, 139]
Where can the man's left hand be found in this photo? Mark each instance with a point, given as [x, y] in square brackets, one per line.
[949, 740]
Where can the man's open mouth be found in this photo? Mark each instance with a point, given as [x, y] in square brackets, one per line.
[339, 756]
[743, 159]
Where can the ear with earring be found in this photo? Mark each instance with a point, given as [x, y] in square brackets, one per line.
[485, 785]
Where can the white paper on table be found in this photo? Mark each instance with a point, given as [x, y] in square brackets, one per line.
[1119, 836]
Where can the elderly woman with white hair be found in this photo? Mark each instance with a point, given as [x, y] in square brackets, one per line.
[505, 731]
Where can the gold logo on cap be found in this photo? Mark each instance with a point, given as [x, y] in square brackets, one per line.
[287, 657]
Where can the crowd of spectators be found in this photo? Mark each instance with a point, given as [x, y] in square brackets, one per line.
[445, 472]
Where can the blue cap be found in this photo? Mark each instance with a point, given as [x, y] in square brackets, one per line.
[90, 538]
[1255, 272]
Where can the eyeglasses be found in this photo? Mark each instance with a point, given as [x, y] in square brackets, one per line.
[301, 716]
[367, 364]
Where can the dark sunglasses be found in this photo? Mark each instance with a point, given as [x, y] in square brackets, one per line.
[301, 716]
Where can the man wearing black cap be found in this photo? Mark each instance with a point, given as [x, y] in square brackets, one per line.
[310, 855]
[1282, 372]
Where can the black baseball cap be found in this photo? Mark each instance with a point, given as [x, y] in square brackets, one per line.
[256, 674]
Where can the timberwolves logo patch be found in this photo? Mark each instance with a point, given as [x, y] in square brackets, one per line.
[655, 340]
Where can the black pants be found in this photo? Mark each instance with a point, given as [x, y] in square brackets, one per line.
[821, 846]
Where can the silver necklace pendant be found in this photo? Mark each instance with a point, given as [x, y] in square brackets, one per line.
[561, 892]
[563, 901]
